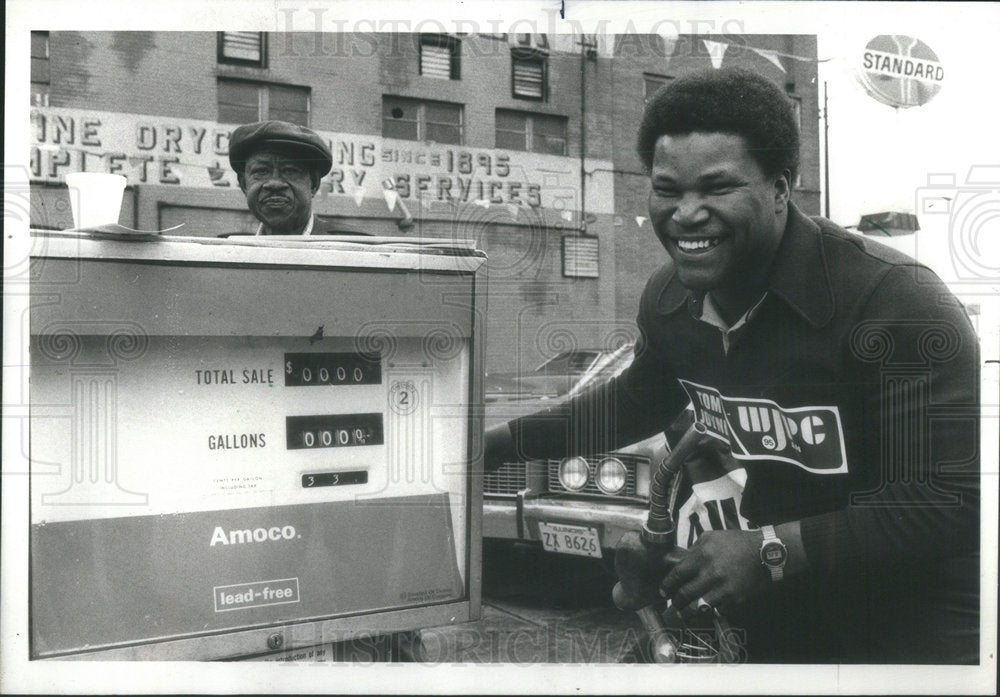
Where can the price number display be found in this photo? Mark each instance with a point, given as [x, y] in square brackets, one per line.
[317, 369]
[570, 539]
[336, 431]
[310, 481]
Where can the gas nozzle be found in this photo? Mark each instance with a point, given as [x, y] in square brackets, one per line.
[665, 485]
[643, 559]
[639, 565]
[662, 647]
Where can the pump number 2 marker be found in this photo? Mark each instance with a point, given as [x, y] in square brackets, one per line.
[403, 397]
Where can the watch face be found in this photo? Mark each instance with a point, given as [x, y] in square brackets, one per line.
[773, 554]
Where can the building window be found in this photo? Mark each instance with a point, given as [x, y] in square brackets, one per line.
[536, 41]
[520, 130]
[652, 82]
[416, 119]
[580, 257]
[40, 68]
[529, 74]
[797, 108]
[440, 56]
[246, 102]
[243, 48]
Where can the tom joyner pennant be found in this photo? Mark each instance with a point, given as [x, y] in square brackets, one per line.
[810, 437]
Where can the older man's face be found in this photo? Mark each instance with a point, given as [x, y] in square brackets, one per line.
[279, 191]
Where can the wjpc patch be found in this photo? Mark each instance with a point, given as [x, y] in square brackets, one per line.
[758, 429]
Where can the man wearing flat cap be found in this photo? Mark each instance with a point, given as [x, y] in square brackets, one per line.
[279, 166]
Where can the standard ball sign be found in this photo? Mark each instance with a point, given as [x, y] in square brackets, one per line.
[901, 71]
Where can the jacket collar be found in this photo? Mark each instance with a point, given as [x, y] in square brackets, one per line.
[261, 230]
[798, 275]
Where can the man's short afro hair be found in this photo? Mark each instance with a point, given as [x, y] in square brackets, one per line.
[731, 100]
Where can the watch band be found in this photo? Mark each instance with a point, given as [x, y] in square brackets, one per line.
[771, 538]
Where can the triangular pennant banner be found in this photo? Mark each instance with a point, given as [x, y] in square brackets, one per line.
[771, 56]
[567, 216]
[391, 198]
[482, 202]
[716, 50]
[359, 196]
[513, 209]
[640, 220]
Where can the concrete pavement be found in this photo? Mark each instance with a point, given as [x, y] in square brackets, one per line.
[537, 608]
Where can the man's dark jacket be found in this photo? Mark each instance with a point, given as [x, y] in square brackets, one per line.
[851, 398]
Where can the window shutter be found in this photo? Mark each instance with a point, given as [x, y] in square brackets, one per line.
[529, 79]
[580, 257]
[435, 61]
[243, 46]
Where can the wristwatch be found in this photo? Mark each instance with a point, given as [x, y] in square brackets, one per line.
[773, 553]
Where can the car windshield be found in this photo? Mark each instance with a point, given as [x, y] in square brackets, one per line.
[568, 363]
[609, 365]
[567, 373]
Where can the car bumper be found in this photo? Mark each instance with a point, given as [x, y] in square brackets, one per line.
[517, 518]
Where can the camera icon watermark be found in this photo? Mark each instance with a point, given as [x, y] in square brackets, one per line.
[968, 216]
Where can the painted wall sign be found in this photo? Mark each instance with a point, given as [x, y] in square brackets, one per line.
[184, 152]
[901, 71]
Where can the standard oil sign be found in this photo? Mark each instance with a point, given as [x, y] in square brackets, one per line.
[901, 71]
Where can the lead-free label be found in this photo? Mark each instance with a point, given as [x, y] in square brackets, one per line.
[243, 595]
[570, 539]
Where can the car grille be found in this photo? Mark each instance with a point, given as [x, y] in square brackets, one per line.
[511, 477]
[508, 479]
[631, 462]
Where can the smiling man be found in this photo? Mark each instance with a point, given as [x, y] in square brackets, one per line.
[279, 166]
[838, 377]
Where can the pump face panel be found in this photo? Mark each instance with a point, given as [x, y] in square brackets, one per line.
[220, 462]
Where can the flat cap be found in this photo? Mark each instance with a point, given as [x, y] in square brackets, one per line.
[251, 137]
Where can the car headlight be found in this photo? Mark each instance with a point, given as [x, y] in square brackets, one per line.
[611, 475]
[573, 473]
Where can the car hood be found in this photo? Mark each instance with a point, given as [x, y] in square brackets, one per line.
[506, 386]
[503, 410]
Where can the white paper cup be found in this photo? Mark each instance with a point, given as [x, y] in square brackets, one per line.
[96, 198]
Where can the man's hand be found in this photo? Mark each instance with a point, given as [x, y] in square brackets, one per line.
[722, 568]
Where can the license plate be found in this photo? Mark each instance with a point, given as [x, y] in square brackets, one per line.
[570, 539]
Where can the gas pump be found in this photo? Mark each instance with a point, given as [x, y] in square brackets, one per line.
[244, 447]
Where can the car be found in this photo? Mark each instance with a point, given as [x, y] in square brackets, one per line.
[579, 505]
